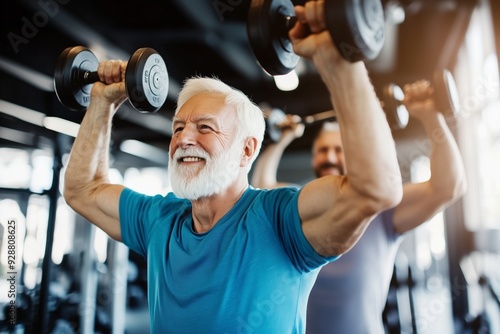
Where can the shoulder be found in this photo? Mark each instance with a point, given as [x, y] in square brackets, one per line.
[130, 197]
[267, 202]
[268, 195]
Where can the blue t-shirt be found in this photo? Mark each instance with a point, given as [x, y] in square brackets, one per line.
[251, 273]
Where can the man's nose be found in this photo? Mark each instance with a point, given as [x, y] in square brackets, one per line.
[186, 136]
[332, 156]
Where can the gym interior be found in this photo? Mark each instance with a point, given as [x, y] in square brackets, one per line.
[64, 275]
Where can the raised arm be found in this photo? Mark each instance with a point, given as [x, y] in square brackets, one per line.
[335, 211]
[447, 183]
[266, 166]
[86, 187]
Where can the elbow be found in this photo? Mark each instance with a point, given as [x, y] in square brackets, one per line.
[394, 198]
[454, 191]
[376, 204]
[70, 195]
[381, 195]
[379, 202]
[461, 188]
[68, 192]
[386, 195]
[391, 191]
[458, 191]
[73, 193]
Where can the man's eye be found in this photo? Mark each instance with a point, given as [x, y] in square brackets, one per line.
[205, 127]
[178, 129]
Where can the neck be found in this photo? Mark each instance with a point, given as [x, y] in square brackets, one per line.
[207, 211]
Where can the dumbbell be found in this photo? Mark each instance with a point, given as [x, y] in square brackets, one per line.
[146, 78]
[275, 118]
[443, 90]
[357, 29]
[397, 117]
[392, 103]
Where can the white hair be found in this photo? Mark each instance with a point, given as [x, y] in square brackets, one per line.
[327, 127]
[330, 127]
[251, 122]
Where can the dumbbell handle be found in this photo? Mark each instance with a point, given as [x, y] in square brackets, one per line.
[393, 107]
[318, 117]
[400, 97]
[88, 77]
[284, 24]
[311, 119]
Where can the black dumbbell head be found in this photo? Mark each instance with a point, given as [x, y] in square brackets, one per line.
[146, 80]
[268, 35]
[70, 88]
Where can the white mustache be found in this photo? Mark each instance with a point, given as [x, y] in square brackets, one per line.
[190, 152]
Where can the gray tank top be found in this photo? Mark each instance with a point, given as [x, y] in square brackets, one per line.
[350, 293]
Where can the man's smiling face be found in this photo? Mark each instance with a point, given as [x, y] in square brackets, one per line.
[204, 158]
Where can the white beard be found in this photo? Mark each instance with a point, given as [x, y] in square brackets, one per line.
[194, 182]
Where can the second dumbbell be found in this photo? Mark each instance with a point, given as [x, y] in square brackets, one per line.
[443, 90]
[357, 29]
[146, 78]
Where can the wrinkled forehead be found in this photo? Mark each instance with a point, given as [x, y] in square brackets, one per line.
[207, 107]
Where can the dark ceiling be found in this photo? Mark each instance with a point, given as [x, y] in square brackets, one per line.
[195, 37]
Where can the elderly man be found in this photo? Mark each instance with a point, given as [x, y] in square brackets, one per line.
[222, 256]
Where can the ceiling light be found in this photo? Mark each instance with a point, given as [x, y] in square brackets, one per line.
[61, 125]
[287, 82]
[145, 151]
[22, 113]
[394, 12]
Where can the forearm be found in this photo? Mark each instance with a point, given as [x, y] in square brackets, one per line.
[89, 158]
[369, 148]
[448, 181]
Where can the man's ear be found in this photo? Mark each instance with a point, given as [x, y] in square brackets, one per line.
[249, 149]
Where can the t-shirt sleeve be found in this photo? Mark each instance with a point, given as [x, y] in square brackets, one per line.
[135, 219]
[284, 214]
